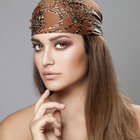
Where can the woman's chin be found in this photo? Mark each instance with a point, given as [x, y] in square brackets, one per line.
[54, 88]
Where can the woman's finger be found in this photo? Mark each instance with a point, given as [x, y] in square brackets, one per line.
[57, 131]
[49, 107]
[41, 100]
[54, 124]
[47, 122]
[53, 121]
[57, 115]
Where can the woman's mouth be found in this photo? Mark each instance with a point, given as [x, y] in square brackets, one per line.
[51, 76]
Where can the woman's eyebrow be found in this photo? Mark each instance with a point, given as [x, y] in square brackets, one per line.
[36, 40]
[51, 39]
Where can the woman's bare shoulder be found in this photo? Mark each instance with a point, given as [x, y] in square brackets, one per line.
[137, 111]
[16, 125]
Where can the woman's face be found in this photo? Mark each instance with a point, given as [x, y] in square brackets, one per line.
[60, 59]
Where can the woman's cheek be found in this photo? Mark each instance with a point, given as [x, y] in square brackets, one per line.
[75, 64]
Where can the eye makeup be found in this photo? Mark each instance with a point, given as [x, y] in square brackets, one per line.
[59, 44]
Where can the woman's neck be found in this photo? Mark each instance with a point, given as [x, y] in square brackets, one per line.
[73, 98]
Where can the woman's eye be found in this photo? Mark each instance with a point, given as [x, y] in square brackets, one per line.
[37, 47]
[61, 45]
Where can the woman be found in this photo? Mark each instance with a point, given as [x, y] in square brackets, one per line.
[74, 73]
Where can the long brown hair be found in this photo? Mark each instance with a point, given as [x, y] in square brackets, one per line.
[108, 113]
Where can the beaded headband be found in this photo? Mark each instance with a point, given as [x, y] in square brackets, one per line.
[72, 16]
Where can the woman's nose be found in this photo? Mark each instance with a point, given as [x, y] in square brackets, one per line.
[47, 57]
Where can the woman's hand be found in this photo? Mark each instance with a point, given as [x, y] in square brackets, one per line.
[46, 123]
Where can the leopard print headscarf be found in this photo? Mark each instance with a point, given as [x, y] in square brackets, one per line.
[71, 16]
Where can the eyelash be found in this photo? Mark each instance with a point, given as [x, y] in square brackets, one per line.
[34, 47]
[66, 44]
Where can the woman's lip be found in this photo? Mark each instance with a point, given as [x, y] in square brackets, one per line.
[51, 76]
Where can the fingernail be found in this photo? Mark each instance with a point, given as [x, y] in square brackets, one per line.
[46, 92]
[59, 132]
[62, 105]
